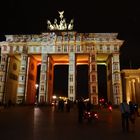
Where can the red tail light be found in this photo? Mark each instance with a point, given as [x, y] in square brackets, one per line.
[110, 107]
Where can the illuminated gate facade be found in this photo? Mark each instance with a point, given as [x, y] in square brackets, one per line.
[20, 55]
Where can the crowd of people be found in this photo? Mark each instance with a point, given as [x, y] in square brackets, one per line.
[67, 105]
[129, 111]
[80, 104]
[82, 107]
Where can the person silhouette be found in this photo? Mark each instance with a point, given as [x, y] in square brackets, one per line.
[81, 108]
[125, 111]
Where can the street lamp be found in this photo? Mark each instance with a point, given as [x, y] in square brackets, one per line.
[54, 96]
[36, 86]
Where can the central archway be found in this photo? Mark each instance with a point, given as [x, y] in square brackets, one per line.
[102, 82]
[60, 80]
[82, 86]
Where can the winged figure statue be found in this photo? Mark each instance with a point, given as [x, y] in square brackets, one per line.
[61, 14]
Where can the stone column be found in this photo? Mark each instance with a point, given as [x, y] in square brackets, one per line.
[50, 79]
[22, 79]
[93, 84]
[71, 77]
[137, 90]
[133, 90]
[31, 82]
[43, 91]
[130, 89]
[109, 79]
[3, 76]
[127, 91]
[27, 76]
[116, 79]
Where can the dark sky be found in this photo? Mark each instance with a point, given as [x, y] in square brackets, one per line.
[90, 15]
[122, 16]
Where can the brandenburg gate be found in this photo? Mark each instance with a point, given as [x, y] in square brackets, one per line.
[21, 54]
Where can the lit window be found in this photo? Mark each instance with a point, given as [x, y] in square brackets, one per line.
[88, 48]
[78, 48]
[101, 47]
[108, 47]
[71, 78]
[59, 48]
[65, 48]
[71, 98]
[43, 67]
[116, 77]
[82, 48]
[93, 58]
[3, 58]
[44, 57]
[42, 87]
[43, 76]
[78, 38]
[22, 78]
[93, 89]
[23, 68]
[72, 37]
[115, 48]
[115, 66]
[59, 38]
[66, 38]
[71, 67]
[92, 48]
[116, 89]
[71, 89]
[93, 67]
[71, 48]
[24, 48]
[3, 67]
[93, 78]
[24, 57]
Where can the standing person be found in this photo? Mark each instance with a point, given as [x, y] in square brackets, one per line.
[136, 109]
[81, 108]
[125, 111]
[68, 105]
[88, 106]
[62, 105]
[132, 114]
[59, 105]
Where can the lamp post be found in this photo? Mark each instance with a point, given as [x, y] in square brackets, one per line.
[36, 97]
[36, 86]
[54, 97]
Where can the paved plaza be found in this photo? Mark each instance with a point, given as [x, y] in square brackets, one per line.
[46, 123]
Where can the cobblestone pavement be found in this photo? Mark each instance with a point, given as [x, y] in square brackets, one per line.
[46, 123]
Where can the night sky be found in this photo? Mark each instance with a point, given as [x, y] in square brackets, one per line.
[121, 16]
